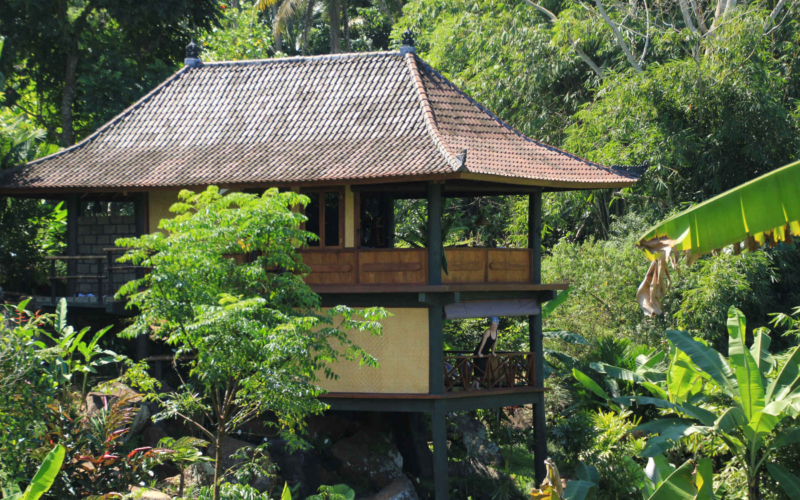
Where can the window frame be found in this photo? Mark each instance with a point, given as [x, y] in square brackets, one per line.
[320, 194]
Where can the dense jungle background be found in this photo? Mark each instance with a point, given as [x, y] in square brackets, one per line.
[704, 93]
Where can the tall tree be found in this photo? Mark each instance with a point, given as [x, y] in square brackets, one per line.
[56, 51]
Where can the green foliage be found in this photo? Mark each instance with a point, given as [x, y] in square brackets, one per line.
[250, 329]
[42, 481]
[242, 34]
[72, 66]
[25, 388]
[183, 452]
[727, 399]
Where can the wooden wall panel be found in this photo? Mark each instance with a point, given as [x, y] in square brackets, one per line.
[331, 267]
[399, 265]
[509, 265]
[465, 265]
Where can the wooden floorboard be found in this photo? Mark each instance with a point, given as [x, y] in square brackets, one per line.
[460, 287]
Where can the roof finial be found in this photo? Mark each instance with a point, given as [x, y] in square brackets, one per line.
[192, 55]
[408, 43]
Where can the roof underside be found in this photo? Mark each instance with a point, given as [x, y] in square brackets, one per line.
[329, 118]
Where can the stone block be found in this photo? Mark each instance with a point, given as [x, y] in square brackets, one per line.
[85, 249]
[84, 230]
[132, 229]
[122, 229]
[87, 220]
[110, 230]
[128, 219]
[89, 239]
[116, 219]
[103, 221]
[104, 239]
[84, 269]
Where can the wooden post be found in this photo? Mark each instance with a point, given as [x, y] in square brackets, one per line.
[439, 427]
[434, 234]
[139, 216]
[535, 336]
[73, 211]
[436, 343]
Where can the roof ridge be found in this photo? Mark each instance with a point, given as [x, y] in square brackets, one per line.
[276, 60]
[430, 123]
[107, 125]
[512, 129]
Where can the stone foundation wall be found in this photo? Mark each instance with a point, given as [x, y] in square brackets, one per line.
[95, 234]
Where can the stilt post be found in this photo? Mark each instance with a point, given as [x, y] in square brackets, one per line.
[73, 211]
[439, 425]
[535, 335]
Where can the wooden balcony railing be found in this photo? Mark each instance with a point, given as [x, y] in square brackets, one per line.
[410, 266]
[463, 372]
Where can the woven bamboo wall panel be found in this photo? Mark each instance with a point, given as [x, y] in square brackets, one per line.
[402, 353]
[158, 203]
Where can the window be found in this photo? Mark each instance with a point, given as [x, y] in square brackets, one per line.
[325, 212]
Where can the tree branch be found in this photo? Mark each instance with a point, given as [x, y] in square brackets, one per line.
[698, 14]
[582, 54]
[687, 17]
[620, 40]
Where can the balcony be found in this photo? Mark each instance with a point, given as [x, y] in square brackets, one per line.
[395, 267]
[467, 372]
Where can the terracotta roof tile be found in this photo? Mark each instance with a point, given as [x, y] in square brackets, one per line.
[343, 117]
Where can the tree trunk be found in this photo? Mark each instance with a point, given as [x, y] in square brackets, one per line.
[218, 457]
[334, 12]
[180, 487]
[753, 490]
[70, 83]
[276, 32]
[307, 24]
[346, 26]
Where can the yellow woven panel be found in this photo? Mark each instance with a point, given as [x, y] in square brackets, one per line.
[158, 207]
[402, 353]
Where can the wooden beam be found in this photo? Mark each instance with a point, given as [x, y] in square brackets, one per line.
[434, 195]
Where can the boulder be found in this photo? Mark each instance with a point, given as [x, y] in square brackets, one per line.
[399, 489]
[146, 494]
[471, 469]
[230, 447]
[299, 466]
[140, 421]
[152, 435]
[470, 432]
[411, 437]
[370, 456]
[332, 427]
[197, 475]
[98, 400]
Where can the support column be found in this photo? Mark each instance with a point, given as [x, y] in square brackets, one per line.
[436, 343]
[434, 234]
[439, 426]
[73, 211]
[140, 219]
[535, 335]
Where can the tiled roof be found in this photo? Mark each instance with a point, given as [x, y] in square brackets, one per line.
[324, 118]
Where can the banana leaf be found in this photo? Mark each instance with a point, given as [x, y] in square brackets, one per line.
[764, 209]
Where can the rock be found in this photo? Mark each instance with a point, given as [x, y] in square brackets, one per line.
[152, 435]
[228, 449]
[300, 466]
[197, 475]
[261, 483]
[140, 421]
[368, 455]
[472, 434]
[410, 431]
[98, 400]
[399, 489]
[471, 468]
[332, 427]
[146, 494]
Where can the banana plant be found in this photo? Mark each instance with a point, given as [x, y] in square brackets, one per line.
[687, 482]
[757, 405]
[67, 362]
[42, 481]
